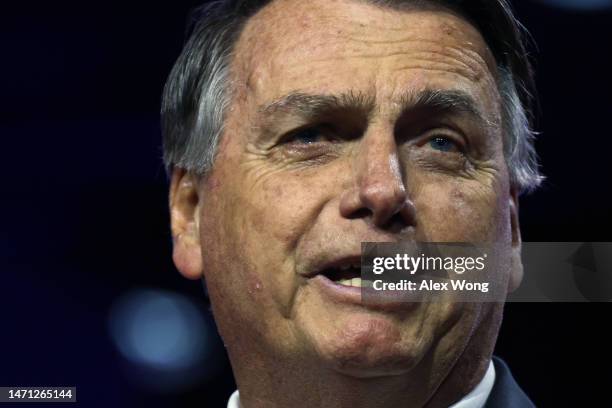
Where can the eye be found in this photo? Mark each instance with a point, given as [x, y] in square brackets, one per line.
[306, 136]
[443, 144]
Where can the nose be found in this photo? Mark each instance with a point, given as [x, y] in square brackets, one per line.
[379, 192]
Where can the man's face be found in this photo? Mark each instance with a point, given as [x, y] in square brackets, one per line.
[338, 134]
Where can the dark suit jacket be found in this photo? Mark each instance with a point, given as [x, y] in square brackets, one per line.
[506, 393]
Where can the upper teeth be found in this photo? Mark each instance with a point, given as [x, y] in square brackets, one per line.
[357, 282]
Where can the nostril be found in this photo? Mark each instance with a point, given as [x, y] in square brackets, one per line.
[380, 204]
[360, 213]
[396, 224]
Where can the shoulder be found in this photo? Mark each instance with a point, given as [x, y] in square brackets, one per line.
[506, 392]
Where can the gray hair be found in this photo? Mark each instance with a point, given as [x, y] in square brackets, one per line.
[196, 95]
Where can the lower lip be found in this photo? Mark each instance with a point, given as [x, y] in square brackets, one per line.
[353, 295]
[340, 292]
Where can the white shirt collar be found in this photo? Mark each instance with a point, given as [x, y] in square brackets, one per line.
[479, 395]
[475, 399]
[234, 401]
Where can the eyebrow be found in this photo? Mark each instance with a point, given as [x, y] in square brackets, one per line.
[309, 105]
[313, 105]
[453, 101]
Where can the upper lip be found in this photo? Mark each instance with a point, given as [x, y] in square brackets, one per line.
[346, 252]
[344, 261]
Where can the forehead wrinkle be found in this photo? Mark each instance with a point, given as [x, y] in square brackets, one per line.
[453, 58]
[263, 31]
[254, 72]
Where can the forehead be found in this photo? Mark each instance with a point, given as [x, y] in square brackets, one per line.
[327, 46]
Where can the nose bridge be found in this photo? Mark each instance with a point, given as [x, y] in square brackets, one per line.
[379, 172]
[378, 162]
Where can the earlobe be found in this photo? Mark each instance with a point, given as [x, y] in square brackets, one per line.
[184, 220]
[516, 269]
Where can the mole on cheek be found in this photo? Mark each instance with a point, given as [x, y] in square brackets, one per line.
[458, 195]
[255, 285]
[279, 192]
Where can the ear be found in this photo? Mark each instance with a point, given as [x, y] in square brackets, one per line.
[516, 272]
[184, 220]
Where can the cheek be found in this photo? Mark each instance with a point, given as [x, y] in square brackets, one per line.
[262, 217]
[281, 209]
[461, 211]
[284, 204]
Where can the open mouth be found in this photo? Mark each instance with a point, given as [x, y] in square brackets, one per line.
[346, 275]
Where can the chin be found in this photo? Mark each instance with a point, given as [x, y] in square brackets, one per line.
[366, 347]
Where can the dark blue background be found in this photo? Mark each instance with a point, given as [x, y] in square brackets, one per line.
[84, 214]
